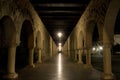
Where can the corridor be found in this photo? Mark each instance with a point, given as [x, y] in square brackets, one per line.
[85, 33]
[59, 68]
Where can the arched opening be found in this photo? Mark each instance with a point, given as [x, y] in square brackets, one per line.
[93, 45]
[96, 41]
[116, 44]
[97, 49]
[116, 47]
[95, 37]
[26, 42]
[7, 34]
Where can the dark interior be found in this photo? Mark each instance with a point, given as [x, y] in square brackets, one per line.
[60, 15]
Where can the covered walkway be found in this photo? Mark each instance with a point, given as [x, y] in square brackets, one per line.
[59, 68]
[32, 33]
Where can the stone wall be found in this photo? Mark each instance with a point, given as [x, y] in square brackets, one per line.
[20, 11]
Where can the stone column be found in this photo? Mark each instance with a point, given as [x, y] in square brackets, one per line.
[68, 53]
[80, 56]
[11, 62]
[75, 55]
[31, 57]
[68, 47]
[88, 48]
[39, 56]
[51, 47]
[108, 75]
[88, 57]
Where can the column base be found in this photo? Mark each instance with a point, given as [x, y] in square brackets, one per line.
[39, 62]
[11, 76]
[80, 62]
[31, 66]
[88, 66]
[108, 77]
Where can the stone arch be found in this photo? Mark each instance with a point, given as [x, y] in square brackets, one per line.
[97, 41]
[26, 43]
[89, 33]
[8, 29]
[116, 44]
[93, 32]
[7, 39]
[91, 29]
[108, 36]
[117, 24]
[110, 20]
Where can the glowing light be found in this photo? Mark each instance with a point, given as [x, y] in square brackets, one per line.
[60, 44]
[59, 34]
[93, 48]
[59, 65]
[100, 47]
[59, 48]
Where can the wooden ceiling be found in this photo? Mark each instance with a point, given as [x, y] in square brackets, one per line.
[60, 15]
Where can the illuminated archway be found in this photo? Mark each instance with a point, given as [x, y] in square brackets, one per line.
[92, 35]
[7, 40]
[26, 42]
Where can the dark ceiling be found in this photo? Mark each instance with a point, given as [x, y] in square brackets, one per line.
[60, 15]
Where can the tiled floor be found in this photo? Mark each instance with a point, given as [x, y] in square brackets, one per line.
[59, 68]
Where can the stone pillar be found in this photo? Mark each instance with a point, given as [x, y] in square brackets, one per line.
[51, 53]
[80, 56]
[88, 57]
[75, 59]
[68, 53]
[31, 57]
[11, 62]
[108, 75]
[68, 47]
[39, 56]
[51, 47]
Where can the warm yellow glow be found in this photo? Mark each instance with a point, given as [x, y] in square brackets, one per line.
[93, 48]
[60, 44]
[100, 47]
[59, 34]
[59, 65]
[59, 48]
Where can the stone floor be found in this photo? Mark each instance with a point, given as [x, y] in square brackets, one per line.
[59, 68]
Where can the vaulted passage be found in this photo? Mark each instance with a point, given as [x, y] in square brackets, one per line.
[22, 51]
[59, 40]
[60, 68]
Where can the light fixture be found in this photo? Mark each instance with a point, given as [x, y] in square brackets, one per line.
[100, 47]
[93, 48]
[59, 34]
[59, 48]
[59, 44]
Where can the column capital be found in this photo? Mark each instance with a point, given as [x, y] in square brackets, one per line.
[107, 44]
[10, 44]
